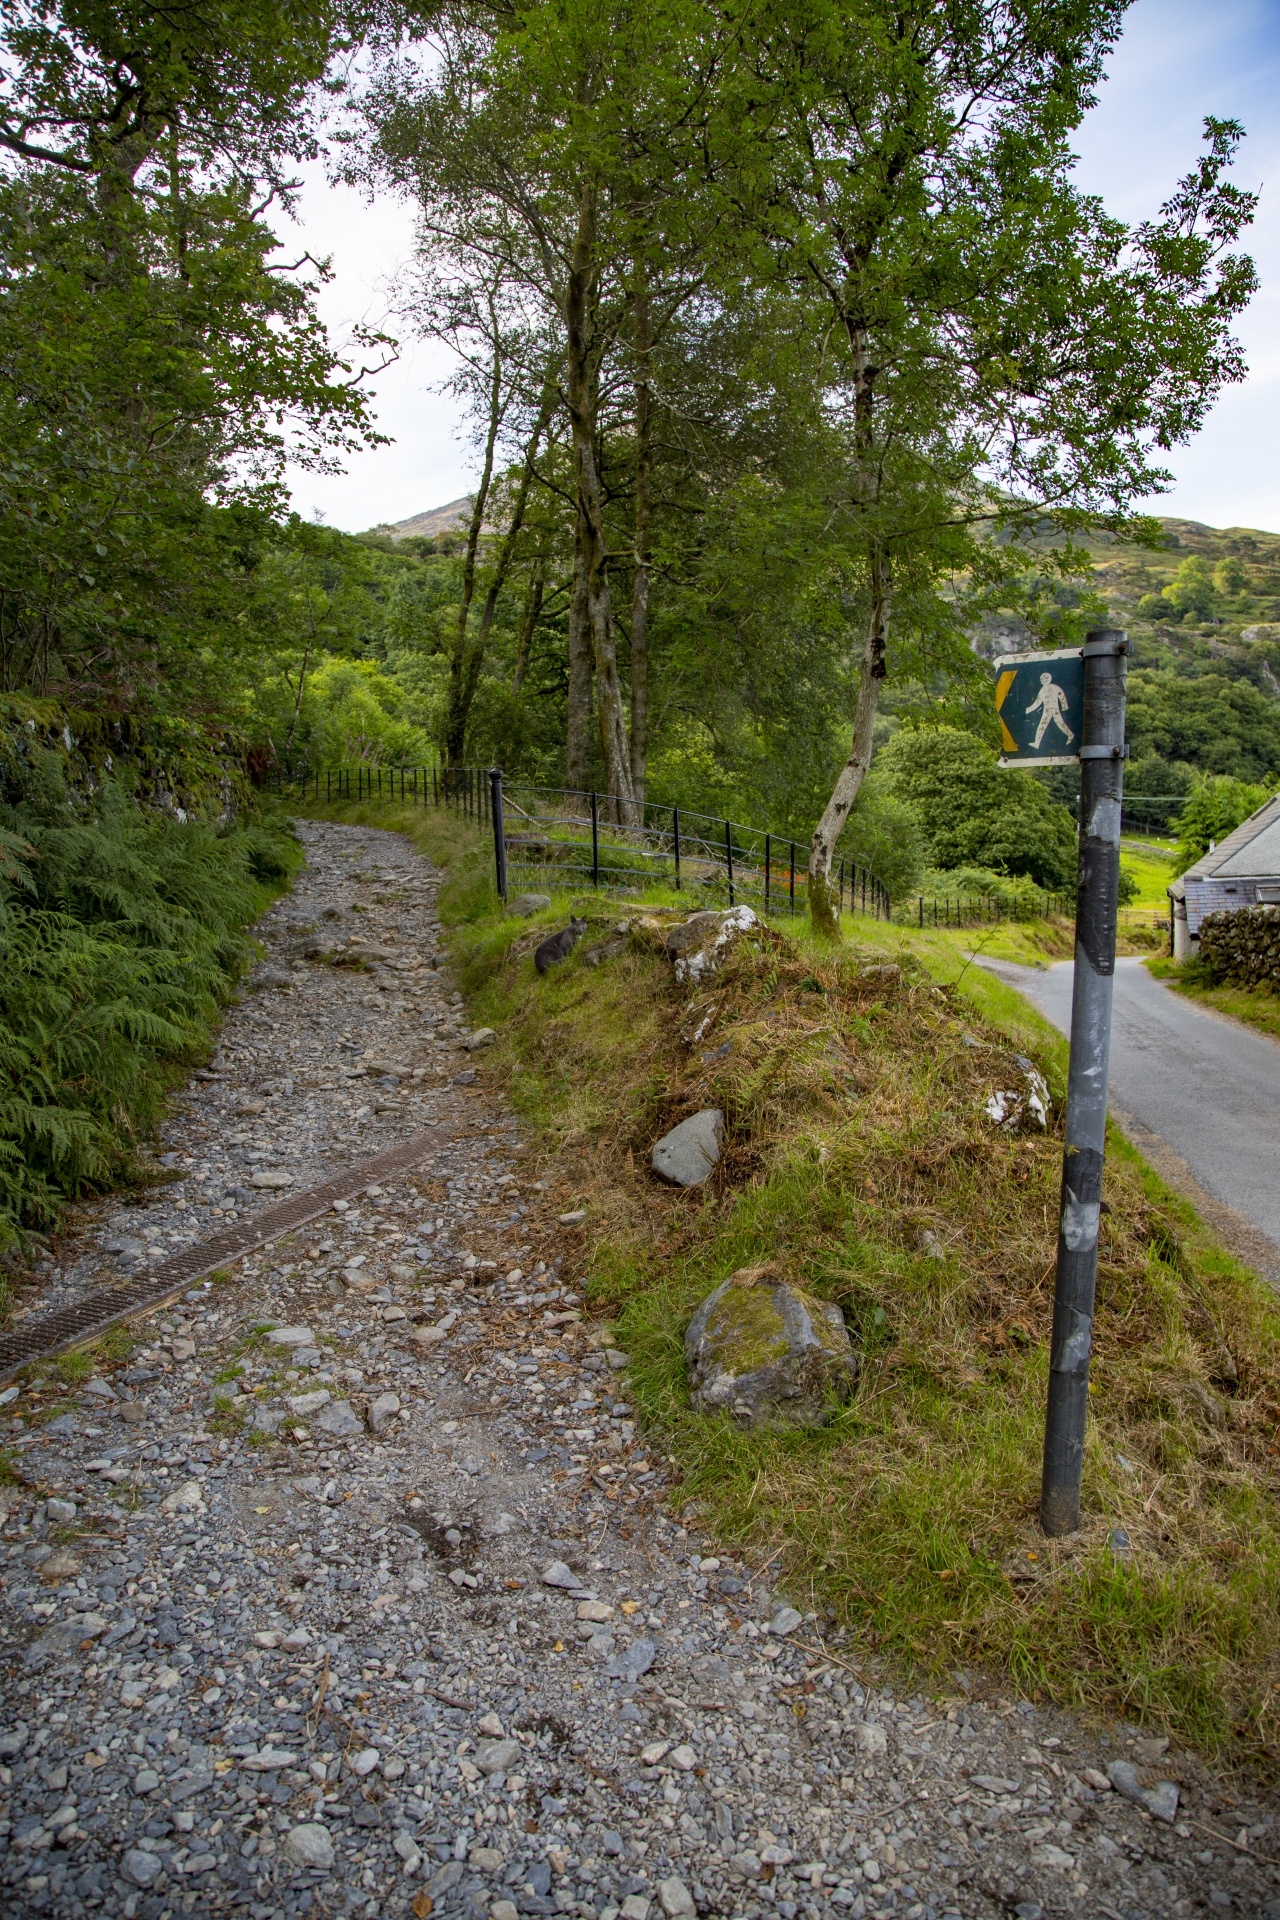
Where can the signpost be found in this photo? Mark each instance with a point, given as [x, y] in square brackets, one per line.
[1056, 708]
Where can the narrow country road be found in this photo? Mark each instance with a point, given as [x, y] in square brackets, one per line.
[1198, 1093]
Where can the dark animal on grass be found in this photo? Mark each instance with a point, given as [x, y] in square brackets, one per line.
[558, 946]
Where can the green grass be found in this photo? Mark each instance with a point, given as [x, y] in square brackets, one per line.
[854, 1101]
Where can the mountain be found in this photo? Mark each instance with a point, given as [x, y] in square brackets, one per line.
[428, 525]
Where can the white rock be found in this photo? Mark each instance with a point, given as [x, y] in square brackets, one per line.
[869, 1738]
[684, 1757]
[187, 1498]
[270, 1181]
[491, 1725]
[785, 1621]
[364, 1762]
[654, 1752]
[291, 1337]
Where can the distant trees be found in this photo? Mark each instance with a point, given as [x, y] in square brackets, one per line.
[972, 813]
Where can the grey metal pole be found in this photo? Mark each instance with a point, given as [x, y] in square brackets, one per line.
[1101, 791]
[499, 831]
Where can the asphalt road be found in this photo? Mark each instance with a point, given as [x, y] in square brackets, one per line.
[1197, 1093]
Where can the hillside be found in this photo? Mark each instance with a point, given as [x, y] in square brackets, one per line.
[426, 526]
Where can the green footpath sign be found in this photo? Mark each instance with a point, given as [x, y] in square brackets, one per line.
[1040, 707]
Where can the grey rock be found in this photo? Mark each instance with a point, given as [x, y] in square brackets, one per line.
[687, 1155]
[140, 1868]
[785, 1621]
[310, 1845]
[61, 1512]
[870, 1739]
[12, 1742]
[527, 904]
[557, 1574]
[632, 1661]
[700, 945]
[497, 1756]
[767, 1353]
[1160, 1800]
[267, 1419]
[340, 1418]
[675, 1899]
[383, 1411]
[291, 1337]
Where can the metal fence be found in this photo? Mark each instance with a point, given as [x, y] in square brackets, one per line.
[979, 909]
[551, 838]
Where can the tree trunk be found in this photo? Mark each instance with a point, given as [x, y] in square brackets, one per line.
[824, 900]
[506, 553]
[643, 518]
[577, 753]
[458, 705]
[583, 384]
[529, 621]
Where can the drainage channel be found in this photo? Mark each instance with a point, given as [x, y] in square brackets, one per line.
[48, 1334]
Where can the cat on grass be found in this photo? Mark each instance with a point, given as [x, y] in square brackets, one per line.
[558, 946]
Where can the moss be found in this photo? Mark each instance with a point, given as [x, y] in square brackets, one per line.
[746, 1331]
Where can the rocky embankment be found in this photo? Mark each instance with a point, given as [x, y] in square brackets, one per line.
[352, 1588]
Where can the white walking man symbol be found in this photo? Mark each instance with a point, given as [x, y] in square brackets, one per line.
[1052, 702]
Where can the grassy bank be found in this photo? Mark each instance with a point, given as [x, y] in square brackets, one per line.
[860, 1160]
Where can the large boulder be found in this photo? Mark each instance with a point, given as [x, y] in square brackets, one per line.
[700, 945]
[767, 1353]
[685, 1156]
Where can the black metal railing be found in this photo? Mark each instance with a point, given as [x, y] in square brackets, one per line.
[563, 837]
[979, 909]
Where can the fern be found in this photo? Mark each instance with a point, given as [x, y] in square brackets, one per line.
[121, 937]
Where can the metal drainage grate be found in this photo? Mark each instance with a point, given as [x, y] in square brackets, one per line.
[52, 1333]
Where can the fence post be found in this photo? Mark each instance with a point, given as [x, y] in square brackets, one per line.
[728, 849]
[675, 828]
[499, 831]
[767, 851]
[595, 838]
[793, 876]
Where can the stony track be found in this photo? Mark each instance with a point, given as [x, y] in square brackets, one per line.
[352, 1587]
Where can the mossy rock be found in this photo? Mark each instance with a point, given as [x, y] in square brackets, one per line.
[767, 1353]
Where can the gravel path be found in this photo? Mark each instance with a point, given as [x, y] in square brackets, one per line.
[393, 1613]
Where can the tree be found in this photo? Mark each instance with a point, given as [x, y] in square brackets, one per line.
[157, 363]
[1218, 805]
[999, 353]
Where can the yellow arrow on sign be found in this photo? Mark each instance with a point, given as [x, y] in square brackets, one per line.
[1003, 685]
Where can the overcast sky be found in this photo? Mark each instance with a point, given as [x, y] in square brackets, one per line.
[1178, 61]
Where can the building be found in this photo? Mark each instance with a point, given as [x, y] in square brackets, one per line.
[1241, 871]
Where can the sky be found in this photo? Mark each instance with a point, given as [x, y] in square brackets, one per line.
[1177, 61]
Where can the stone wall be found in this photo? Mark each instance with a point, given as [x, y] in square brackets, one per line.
[1242, 947]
